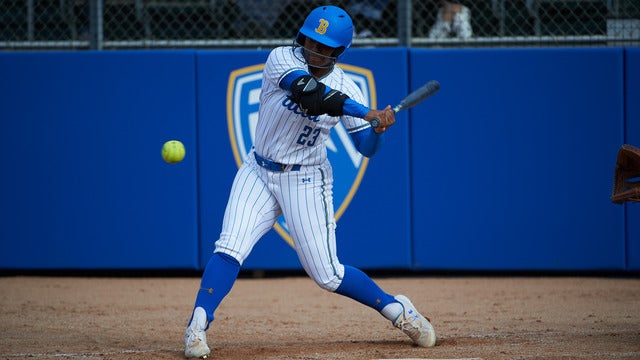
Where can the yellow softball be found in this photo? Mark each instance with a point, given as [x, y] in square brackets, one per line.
[173, 151]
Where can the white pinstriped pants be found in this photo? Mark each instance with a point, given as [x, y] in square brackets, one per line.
[305, 197]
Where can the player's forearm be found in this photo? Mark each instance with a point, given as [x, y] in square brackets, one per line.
[354, 108]
[368, 142]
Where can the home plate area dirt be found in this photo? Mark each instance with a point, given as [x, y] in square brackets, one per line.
[475, 317]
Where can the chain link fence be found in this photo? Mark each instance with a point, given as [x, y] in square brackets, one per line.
[128, 24]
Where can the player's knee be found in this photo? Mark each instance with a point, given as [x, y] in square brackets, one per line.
[332, 281]
[329, 284]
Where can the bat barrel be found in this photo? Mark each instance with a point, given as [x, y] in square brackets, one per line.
[413, 99]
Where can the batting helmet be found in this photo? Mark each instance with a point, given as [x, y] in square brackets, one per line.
[330, 26]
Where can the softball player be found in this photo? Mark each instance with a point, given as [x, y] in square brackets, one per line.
[287, 172]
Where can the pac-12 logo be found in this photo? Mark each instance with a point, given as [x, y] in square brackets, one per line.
[243, 98]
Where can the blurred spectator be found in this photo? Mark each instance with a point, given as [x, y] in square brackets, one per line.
[258, 16]
[367, 17]
[453, 21]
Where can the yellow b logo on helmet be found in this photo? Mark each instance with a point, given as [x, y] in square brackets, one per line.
[322, 28]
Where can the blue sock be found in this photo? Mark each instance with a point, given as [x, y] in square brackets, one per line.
[358, 286]
[219, 276]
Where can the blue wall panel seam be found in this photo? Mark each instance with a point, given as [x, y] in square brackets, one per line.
[412, 257]
[199, 264]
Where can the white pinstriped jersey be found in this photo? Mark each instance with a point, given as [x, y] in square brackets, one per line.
[284, 133]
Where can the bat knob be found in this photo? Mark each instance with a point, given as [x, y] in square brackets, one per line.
[375, 122]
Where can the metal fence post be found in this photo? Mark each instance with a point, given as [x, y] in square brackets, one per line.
[30, 20]
[95, 24]
[404, 23]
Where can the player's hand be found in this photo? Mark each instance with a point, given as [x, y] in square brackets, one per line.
[387, 117]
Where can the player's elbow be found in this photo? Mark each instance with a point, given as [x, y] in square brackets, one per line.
[368, 152]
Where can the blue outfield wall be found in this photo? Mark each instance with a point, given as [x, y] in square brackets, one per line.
[83, 185]
[508, 167]
[516, 164]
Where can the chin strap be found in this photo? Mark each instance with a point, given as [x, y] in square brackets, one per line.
[301, 56]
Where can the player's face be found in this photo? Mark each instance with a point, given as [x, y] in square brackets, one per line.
[317, 54]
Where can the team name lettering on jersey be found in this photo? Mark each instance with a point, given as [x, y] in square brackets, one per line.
[296, 109]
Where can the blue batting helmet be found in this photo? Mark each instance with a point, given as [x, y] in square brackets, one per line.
[330, 26]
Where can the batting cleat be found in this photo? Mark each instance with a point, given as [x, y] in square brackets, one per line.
[195, 338]
[416, 326]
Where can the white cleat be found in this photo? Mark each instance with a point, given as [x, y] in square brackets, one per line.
[416, 326]
[196, 344]
[195, 338]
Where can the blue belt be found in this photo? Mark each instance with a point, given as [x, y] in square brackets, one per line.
[274, 166]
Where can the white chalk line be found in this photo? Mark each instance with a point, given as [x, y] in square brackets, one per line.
[430, 359]
[85, 355]
[540, 333]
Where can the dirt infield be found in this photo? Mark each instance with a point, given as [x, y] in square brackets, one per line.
[292, 318]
